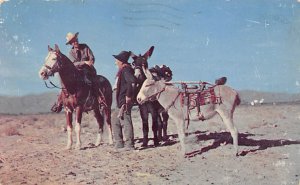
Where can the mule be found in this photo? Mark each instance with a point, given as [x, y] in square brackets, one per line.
[77, 96]
[168, 96]
[159, 116]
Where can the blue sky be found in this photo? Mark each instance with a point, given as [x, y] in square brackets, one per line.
[255, 43]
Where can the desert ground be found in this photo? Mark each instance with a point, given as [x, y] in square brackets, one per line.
[32, 151]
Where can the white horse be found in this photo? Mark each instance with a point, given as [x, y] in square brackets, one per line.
[169, 97]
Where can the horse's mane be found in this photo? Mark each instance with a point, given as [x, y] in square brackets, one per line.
[70, 74]
[68, 62]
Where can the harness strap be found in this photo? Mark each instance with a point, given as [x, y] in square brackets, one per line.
[173, 102]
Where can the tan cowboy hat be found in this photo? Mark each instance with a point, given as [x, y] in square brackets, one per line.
[70, 37]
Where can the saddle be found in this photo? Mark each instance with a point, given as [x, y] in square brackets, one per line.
[196, 95]
[94, 93]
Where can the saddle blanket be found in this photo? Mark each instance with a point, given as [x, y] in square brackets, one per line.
[196, 99]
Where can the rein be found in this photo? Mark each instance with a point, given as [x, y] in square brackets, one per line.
[53, 85]
[51, 69]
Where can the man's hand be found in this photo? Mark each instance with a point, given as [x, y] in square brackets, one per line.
[90, 63]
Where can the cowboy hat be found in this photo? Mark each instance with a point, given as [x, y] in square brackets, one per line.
[123, 56]
[70, 37]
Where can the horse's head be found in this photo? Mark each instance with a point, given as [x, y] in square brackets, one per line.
[140, 61]
[52, 63]
[151, 87]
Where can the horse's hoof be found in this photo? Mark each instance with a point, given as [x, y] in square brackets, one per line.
[97, 143]
[78, 147]
[68, 148]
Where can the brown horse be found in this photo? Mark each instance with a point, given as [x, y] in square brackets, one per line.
[77, 96]
[169, 97]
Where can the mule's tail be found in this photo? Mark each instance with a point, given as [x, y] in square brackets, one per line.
[237, 99]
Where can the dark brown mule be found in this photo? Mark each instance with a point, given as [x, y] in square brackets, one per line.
[158, 115]
[77, 96]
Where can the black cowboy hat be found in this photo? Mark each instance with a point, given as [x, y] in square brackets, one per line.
[123, 56]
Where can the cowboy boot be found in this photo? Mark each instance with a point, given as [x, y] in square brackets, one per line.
[58, 105]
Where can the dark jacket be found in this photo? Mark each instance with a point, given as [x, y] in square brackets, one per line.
[126, 85]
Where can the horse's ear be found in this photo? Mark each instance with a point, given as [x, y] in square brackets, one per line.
[149, 52]
[147, 73]
[57, 48]
[49, 48]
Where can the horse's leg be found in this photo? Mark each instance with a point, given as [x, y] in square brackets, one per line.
[227, 118]
[100, 120]
[165, 117]
[68, 115]
[107, 111]
[78, 126]
[144, 117]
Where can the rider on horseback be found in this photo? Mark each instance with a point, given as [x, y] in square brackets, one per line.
[82, 57]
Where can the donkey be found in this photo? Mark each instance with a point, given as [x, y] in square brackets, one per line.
[159, 123]
[169, 97]
[77, 96]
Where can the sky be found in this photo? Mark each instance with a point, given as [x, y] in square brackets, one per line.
[254, 43]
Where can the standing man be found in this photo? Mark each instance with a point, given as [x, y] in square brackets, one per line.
[125, 86]
[82, 57]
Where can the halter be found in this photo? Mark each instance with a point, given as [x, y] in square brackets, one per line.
[157, 95]
[56, 67]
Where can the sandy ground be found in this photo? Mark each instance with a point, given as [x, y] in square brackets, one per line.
[32, 152]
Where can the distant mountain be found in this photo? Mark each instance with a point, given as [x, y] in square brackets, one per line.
[28, 104]
[41, 103]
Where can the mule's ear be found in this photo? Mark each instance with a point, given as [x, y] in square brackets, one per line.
[49, 48]
[149, 52]
[133, 56]
[57, 48]
[148, 74]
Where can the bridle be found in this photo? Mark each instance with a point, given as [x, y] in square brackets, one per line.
[155, 95]
[55, 68]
